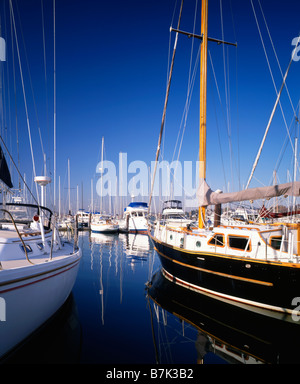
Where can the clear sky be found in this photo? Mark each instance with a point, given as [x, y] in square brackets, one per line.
[111, 73]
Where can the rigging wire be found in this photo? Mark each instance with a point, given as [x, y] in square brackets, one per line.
[17, 169]
[285, 84]
[279, 66]
[276, 103]
[15, 95]
[227, 96]
[190, 87]
[31, 85]
[161, 155]
[237, 99]
[45, 67]
[24, 95]
[219, 97]
[164, 110]
[54, 107]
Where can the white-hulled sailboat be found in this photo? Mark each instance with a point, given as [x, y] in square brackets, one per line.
[253, 266]
[101, 223]
[37, 269]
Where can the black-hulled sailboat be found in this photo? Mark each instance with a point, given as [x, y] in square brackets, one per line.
[256, 266]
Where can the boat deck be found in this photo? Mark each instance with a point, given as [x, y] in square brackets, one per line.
[12, 264]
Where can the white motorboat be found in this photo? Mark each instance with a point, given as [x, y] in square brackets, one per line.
[135, 218]
[103, 223]
[173, 214]
[83, 218]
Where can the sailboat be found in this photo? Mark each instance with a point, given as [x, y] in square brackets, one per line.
[253, 266]
[37, 269]
[100, 222]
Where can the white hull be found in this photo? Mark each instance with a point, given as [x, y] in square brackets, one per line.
[135, 218]
[31, 294]
[100, 228]
[135, 225]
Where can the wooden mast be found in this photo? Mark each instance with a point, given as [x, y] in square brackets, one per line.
[203, 87]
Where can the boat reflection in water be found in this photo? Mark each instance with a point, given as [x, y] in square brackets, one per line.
[136, 247]
[58, 341]
[217, 329]
[109, 251]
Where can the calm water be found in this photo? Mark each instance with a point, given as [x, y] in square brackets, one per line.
[112, 317]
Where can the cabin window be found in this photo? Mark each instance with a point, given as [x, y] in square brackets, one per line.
[28, 248]
[239, 242]
[198, 244]
[275, 242]
[40, 246]
[218, 240]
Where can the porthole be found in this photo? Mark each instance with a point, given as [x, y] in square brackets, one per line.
[198, 244]
[171, 237]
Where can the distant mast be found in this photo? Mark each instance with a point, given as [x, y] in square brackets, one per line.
[203, 88]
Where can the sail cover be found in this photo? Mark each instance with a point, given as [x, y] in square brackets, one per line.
[208, 197]
[4, 171]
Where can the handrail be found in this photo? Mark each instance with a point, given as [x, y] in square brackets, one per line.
[16, 228]
[38, 207]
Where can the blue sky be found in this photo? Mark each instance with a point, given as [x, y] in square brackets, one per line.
[111, 73]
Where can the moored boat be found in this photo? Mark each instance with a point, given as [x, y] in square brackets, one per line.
[250, 265]
[37, 271]
[173, 214]
[103, 223]
[135, 218]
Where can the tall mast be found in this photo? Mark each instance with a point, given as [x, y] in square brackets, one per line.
[203, 86]
[101, 201]
[69, 187]
[54, 105]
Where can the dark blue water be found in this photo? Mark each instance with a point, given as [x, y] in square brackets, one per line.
[114, 317]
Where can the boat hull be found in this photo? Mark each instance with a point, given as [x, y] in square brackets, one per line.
[104, 228]
[268, 287]
[31, 295]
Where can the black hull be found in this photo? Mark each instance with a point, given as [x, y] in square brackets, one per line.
[269, 286]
